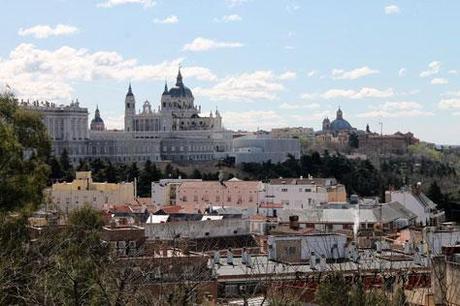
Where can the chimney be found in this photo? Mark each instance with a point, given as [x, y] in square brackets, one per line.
[294, 222]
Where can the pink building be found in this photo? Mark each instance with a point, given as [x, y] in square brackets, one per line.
[194, 196]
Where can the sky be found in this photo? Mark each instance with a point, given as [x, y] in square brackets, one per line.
[261, 63]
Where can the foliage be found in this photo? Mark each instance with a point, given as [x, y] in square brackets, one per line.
[24, 150]
[333, 292]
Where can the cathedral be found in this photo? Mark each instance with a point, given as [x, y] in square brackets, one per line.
[174, 131]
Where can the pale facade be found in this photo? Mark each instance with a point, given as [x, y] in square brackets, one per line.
[194, 196]
[418, 203]
[303, 193]
[164, 191]
[67, 196]
[175, 130]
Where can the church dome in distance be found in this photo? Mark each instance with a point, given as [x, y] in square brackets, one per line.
[340, 124]
[97, 124]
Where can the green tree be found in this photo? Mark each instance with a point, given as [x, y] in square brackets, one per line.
[66, 165]
[24, 150]
[333, 291]
[353, 141]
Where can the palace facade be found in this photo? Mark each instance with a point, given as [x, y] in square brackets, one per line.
[174, 131]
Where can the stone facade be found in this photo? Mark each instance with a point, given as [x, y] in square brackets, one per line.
[175, 131]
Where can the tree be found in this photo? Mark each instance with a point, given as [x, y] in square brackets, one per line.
[66, 165]
[353, 141]
[24, 150]
[435, 194]
[133, 172]
[149, 174]
[333, 291]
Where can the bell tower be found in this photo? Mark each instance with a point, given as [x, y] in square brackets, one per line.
[130, 109]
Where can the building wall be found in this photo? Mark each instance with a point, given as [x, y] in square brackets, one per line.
[261, 148]
[407, 199]
[69, 196]
[197, 229]
[295, 196]
[200, 195]
[322, 244]
[336, 194]
[164, 191]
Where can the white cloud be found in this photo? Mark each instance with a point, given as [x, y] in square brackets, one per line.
[45, 31]
[433, 68]
[452, 71]
[244, 87]
[289, 106]
[339, 74]
[402, 72]
[112, 3]
[289, 47]
[364, 92]
[229, 18]
[396, 110]
[204, 44]
[439, 81]
[48, 74]
[451, 103]
[312, 73]
[288, 75]
[168, 20]
[253, 120]
[392, 9]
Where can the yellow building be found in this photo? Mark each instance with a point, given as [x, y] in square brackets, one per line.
[70, 195]
[336, 194]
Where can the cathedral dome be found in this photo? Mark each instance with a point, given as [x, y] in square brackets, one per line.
[180, 90]
[340, 124]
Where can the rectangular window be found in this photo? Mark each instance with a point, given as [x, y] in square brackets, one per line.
[284, 190]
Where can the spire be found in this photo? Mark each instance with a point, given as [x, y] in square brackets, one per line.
[130, 91]
[166, 86]
[179, 79]
[339, 113]
[97, 114]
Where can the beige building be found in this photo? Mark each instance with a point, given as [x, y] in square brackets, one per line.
[67, 196]
[194, 196]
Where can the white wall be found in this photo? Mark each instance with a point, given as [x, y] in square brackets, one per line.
[295, 196]
[197, 229]
[320, 244]
[411, 203]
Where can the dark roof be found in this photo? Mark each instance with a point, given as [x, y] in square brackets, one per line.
[130, 91]
[180, 90]
[340, 124]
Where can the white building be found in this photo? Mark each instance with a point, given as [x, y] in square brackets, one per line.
[259, 148]
[297, 248]
[418, 203]
[175, 130]
[303, 193]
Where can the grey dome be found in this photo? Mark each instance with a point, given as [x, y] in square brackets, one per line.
[181, 91]
[340, 124]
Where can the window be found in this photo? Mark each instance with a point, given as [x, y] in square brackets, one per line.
[284, 190]
[195, 198]
[251, 199]
[307, 190]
